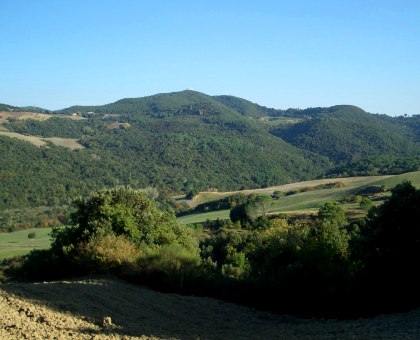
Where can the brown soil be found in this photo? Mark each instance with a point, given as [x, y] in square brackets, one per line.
[112, 309]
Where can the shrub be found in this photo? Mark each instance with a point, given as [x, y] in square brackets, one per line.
[121, 211]
[167, 267]
[32, 235]
[365, 203]
[358, 199]
[277, 194]
[107, 254]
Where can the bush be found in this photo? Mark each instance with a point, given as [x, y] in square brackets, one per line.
[365, 203]
[277, 194]
[121, 211]
[391, 237]
[107, 254]
[32, 235]
[167, 267]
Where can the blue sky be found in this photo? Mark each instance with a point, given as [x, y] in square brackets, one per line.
[277, 53]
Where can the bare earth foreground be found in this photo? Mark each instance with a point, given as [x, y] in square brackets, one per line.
[109, 308]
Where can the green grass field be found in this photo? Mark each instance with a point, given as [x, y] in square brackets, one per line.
[348, 182]
[198, 218]
[17, 243]
[308, 201]
[413, 177]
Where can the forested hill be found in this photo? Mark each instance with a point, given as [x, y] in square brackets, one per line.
[10, 108]
[188, 141]
[184, 141]
[160, 106]
[347, 133]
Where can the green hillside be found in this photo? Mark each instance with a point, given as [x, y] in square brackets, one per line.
[5, 107]
[247, 108]
[176, 142]
[347, 133]
[188, 141]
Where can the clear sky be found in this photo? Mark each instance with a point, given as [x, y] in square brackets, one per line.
[300, 53]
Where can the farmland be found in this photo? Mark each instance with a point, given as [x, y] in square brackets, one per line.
[308, 200]
[17, 243]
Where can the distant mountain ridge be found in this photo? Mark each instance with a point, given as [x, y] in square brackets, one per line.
[188, 141]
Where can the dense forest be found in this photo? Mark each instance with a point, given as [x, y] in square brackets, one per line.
[188, 142]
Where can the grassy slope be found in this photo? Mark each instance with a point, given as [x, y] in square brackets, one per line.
[18, 243]
[413, 177]
[348, 182]
[308, 202]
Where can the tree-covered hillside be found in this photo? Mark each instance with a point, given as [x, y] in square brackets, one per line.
[188, 141]
[178, 142]
[5, 107]
[347, 133]
[247, 108]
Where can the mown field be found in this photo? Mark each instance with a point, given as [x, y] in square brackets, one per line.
[17, 243]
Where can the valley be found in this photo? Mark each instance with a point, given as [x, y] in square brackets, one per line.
[214, 197]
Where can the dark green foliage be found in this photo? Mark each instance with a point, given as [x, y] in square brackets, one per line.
[121, 211]
[377, 165]
[249, 210]
[40, 217]
[188, 139]
[224, 203]
[5, 107]
[247, 108]
[53, 127]
[190, 194]
[346, 133]
[366, 203]
[32, 235]
[390, 239]
[328, 243]
[173, 139]
[277, 194]
[319, 267]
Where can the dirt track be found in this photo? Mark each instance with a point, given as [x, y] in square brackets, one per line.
[76, 310]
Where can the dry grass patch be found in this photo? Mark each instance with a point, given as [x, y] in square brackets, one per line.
[70, 143]
[37, 141]
[41, 141]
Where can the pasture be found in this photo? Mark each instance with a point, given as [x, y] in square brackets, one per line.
[307, 201]
[17, 243]
[348, 182]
